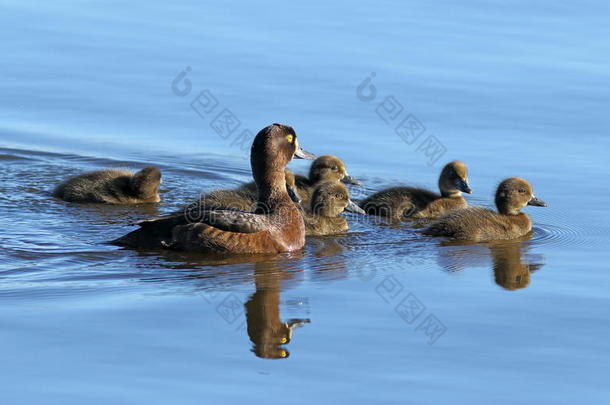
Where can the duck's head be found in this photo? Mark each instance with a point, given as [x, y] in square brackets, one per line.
[145, 183]
[273, 147]
[515, 193]
[330, 199]
[330, 168]
[270, 345]
[454, 179]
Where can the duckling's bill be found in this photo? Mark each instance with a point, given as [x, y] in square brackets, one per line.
[347, 179]
[537, 202]
[353, 207]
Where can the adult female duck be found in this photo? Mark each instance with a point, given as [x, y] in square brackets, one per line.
[275, 226]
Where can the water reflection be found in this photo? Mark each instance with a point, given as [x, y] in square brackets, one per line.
[511, 261]
[267, 332]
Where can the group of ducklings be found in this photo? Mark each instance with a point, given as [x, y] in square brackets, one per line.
[274, 213]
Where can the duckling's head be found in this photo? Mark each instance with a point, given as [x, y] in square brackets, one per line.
[145, 183]
[330, 199]
[273, 147]
[330, 168]
[454, 179]
[515, 193]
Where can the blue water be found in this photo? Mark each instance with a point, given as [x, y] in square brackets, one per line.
[512, 90]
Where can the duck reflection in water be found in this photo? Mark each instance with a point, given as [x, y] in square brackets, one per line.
[268, 333]
[510, 272]
[512, 264]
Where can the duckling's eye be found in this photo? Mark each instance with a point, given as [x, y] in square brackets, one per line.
[289, 138]
[334, 168]
[338, 196]
[522, 190]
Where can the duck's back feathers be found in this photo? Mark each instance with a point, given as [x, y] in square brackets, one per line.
[480, 224]
[112, 186]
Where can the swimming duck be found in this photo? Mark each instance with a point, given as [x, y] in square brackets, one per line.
[243, 198]
[324, 168]
[328, 201]
[112, 186]
[399, 203]
[480, 224]
[275, 226]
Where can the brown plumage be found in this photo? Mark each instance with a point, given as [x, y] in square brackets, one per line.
[275, 226]
[324, 168]
[480, 224]
[243, 198]
[400, 203]
[328, 201]
[112, 186]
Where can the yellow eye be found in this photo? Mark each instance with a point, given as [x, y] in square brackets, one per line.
[283, 340]
[289, 138]
[283, 353]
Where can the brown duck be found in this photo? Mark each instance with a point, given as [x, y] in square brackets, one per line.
[275, 226]
[480, 224]
[400, 203]
[112, 186]
[328, 201]
[243, 198]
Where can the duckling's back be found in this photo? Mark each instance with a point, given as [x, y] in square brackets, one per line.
[102, 186]
[480, 224]
[398, 202]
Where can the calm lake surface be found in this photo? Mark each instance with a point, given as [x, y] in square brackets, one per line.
[381, 314]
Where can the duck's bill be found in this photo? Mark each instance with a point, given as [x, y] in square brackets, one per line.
[351, 180]
[301, 153]
[463, 186]
[352, 207]
[537, 202]
[297, 323]
[294, 196]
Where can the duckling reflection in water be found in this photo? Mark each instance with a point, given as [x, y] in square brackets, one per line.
[400, 203]
[112, 186]
[328, 201]
[480, 224]
[267, 332]
[510, 272]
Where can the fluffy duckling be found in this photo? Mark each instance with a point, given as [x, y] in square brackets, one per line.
[328, 201]
[399, 203]
[276, 226]
[112, 186]
[324, 168]
[480, 224]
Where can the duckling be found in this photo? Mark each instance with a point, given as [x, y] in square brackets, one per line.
[480, 224]
[275, 226]
[112, 186]
[324, 168]
[399, 203]
[328, 201]
[242, 198]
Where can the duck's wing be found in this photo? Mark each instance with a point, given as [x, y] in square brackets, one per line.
[229, 220]
[236, 221]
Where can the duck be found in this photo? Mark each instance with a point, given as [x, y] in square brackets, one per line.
[328, 201]
[112, 186]
[242, 198]
[275, 226]
[480, 224]
[324, 168]
[401, 203]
